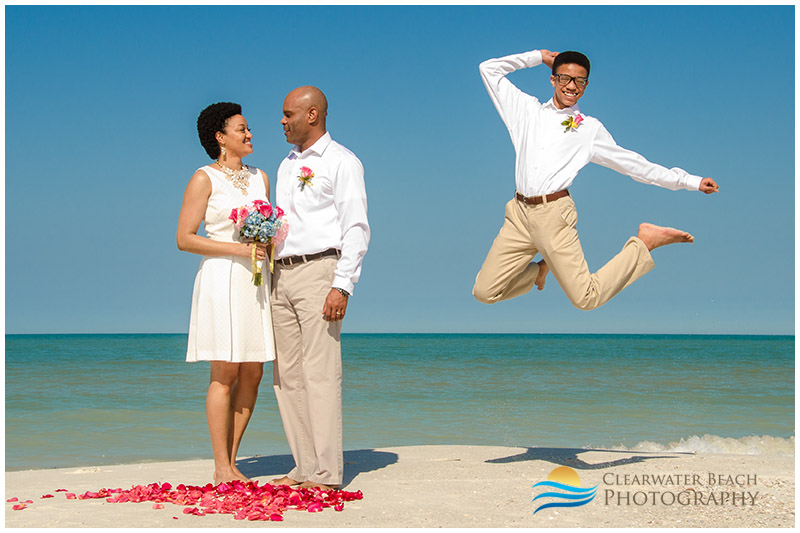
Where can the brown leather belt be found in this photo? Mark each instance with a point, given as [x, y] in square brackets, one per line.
[536, 200]
[291, 260]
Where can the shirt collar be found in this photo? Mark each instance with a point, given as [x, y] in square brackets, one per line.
[566, 111]
[318, 147]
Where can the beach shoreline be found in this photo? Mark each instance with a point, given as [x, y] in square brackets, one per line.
[449, 486]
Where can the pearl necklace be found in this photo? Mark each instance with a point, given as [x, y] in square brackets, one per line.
[238, 178]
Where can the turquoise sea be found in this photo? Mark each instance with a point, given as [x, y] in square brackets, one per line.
[106, 399]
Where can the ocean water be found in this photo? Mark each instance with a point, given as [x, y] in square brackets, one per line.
[105, 399]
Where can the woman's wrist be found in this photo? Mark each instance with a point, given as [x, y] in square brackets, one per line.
[244, 249]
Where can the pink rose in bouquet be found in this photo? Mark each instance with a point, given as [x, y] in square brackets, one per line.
[261, 223]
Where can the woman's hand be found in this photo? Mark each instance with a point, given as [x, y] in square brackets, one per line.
[246, 250]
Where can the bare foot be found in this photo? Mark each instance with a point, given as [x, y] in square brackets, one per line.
[543, 270]
[238, 474]
[654, 236]
[226, 476]
[312, 485]
[285, 480]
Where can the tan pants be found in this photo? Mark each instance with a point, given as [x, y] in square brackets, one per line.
[550, 229]
[307, 373]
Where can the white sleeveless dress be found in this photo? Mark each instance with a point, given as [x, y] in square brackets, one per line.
[231, 318]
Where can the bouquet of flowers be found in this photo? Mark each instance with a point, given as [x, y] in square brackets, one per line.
[260, 222]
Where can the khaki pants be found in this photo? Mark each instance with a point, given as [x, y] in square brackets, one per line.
[550, 229]
[307, 373]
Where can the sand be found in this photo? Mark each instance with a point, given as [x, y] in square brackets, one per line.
[450, 486]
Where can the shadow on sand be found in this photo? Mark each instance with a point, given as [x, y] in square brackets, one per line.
[569, 457]
[355, 462]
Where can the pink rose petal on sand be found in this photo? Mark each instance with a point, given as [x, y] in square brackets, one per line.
[47, 496]
[19, 507]
[13, 499]
[28, 501]
[61, 490]
[238, 499]
[295, 498]
[70, 496]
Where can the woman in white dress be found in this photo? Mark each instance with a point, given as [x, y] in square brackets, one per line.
[231, 323]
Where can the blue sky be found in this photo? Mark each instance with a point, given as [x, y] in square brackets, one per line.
[101, 104]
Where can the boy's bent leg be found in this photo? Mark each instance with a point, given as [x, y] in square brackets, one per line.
[507, 271]
[564, 255]
[630, 264]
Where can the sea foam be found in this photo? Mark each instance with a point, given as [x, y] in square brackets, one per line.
[713, 444]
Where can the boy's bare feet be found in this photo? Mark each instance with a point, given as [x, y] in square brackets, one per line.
[654, 236]
[543, 270]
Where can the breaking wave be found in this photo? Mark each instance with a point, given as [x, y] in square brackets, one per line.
[713, 444]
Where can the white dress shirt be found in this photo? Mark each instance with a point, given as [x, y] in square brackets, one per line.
[328, 212]
[548, 157]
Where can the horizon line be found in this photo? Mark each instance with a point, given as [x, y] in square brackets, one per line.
[445, 333]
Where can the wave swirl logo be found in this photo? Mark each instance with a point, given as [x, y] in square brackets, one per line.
[571, 494]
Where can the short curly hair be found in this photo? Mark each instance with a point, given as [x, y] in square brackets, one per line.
[566, 58]
[212, 119]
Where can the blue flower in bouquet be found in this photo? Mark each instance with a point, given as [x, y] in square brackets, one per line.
[249, 232]
[268, 229]
[252, 224]
[254, 219]
[260, 222]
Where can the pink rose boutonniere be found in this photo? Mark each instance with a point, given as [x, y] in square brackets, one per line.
[305, 177]
[572, 123]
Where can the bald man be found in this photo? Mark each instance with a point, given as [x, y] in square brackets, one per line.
[320, 186]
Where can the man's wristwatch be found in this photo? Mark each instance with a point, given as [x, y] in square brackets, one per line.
[343, 292]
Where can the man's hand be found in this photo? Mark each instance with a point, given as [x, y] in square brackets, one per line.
[708, 186]
[548, 57]
[335, 305]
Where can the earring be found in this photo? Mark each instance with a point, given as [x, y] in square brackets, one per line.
[222, 152]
